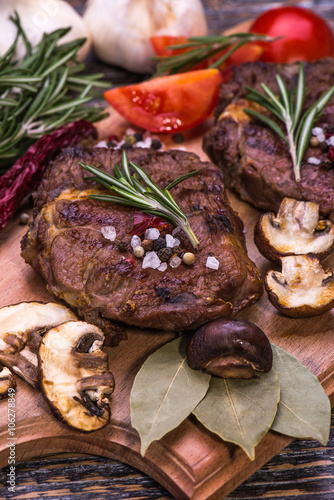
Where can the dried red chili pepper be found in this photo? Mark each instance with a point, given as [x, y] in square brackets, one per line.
[23, 177]
[142, 221]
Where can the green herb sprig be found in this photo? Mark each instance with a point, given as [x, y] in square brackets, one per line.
[42, 91]
[204, 47]
[288, 107]
[140, 191]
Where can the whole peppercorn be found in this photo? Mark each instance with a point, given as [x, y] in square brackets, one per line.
[139, 252]
[165, 254]
[188, 258]
[24, 218]
[177, 250]
[314, 141]
[130, 139]
[138, 136]
[327, 164]
[156, 144]
[159, 243]
[324, 146]
[122, 246]
[147, 245]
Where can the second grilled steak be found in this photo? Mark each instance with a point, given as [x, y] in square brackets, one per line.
[255, 161]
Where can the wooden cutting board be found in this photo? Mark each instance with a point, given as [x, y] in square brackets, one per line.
[190, 461]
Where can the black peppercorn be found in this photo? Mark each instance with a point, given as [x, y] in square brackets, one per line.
[155, 144]
[165, 254]
[122, 246]
[324, 146]
[177, 250]
[138, 136]
[327, 164]
[159, 243]
[111, 144]
[126, 145]
[178, 138]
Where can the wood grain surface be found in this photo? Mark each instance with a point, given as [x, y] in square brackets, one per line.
[304, 470]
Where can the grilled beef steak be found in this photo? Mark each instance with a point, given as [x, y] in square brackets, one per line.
[255, 161]
[65, 243]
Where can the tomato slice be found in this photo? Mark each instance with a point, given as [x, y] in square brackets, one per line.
[161, 42]
[305, 35]
[168, 103]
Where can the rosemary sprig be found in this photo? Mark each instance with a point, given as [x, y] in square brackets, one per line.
[138, 190]
[203, 47]
[42, 91]
[287, 107]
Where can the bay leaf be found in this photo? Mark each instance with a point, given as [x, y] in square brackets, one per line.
[304, 410]
[240, 411]
[165, 392]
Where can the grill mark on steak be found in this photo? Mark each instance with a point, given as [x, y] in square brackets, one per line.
[256, 162]
[64, 242]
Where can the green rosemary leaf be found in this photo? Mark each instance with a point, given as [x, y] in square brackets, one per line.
[181, 179]
[288, 109]
[267, 121]
[149, 198]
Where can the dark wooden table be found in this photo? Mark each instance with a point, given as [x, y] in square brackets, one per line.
[303, 471]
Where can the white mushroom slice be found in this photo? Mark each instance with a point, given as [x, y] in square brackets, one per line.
[74, 375]
[7, 382]
[21, 329]
[303, 288]
[296, 230]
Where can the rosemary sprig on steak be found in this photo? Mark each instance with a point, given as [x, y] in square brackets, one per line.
[140, 191]
[288, 107]
[201, 48]
[43, 91]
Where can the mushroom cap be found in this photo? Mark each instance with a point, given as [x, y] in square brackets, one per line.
[303, 289]
[74, 375]
[21, 327]
[7, 381]
[230, 348]
[296, 230]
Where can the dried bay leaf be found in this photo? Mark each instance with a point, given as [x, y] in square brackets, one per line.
[165, 392]
[240, 411]
[304, 410]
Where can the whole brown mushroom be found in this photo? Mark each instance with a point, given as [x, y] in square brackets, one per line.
[230, 348]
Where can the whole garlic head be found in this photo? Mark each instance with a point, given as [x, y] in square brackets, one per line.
[121, 29]
[38, 17]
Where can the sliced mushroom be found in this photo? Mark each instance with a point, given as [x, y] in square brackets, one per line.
[230, 349]
[296, 230]
[74, 375]
[7, 382]
[302, 289]
[21, 329]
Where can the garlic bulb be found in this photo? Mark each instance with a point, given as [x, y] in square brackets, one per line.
[38, 17]
[121, 29]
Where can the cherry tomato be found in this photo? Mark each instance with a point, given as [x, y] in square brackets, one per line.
[305, 35]
[161, 42]
[168, 103]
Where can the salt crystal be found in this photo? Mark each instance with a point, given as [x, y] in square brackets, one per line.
[321, 137]
[175, 261]
[109, 232]
[313, 160]
[135, 241]
[317, 131]
[101, 144]
[171, 241]
[330, 141]
[212, 263]
[152, 260]
[152, 233]
[162, 267]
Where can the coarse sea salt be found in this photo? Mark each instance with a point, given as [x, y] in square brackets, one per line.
[171, 241]
[313, 160]
[317, 131]
[330, 141]
[175, 261]
[212, 263]
[109, 232]
[162, 267]
[152, 233]
[152, 260]
[135, 241]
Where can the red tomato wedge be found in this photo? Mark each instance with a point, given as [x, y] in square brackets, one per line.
[168, 103]
[161, 42]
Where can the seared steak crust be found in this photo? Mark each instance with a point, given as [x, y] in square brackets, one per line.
[255, 161]
[65, 243]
